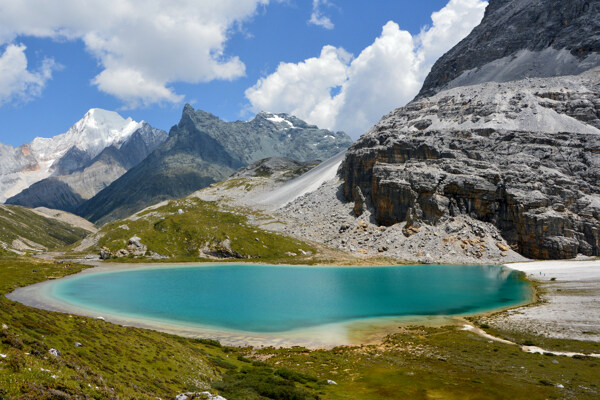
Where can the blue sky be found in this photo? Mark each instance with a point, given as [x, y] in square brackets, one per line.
[322, 85]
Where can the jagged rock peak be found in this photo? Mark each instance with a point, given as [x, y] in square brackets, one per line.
[522, 38]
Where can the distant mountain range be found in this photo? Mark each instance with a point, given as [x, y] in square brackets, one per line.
[63, 171]
[203, 149]
[106, 167]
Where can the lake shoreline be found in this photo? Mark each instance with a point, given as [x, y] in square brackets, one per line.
[567, 307]
[352, 332]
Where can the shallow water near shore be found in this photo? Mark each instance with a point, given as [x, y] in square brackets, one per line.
[271, 300]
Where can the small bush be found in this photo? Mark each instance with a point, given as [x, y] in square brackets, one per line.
[16, 361]
[11, 339]
[209, 342]
[259, 364]
[251, 383]
[219, 362]
[295, 376]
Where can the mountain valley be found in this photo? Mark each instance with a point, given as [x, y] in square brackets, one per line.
[493, 167]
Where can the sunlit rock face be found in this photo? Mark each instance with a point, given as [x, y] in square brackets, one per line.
[517, 152]
[522, 39]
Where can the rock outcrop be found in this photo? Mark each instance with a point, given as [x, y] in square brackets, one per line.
[523, 156]
[522, 39]
[505, 131]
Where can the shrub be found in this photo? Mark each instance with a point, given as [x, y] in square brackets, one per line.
[16, 361]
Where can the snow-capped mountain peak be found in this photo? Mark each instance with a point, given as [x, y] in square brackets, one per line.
[97, 130]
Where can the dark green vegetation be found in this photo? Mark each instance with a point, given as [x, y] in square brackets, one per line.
[115, 362]
[202, 149]
[192, 229]
[35, 231]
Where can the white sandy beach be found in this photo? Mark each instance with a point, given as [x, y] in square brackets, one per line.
[561, 270]
[570, 301]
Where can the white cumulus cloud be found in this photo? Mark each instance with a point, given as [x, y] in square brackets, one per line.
[317, 18]
[341, 92]
[17, 82]
[143, 46]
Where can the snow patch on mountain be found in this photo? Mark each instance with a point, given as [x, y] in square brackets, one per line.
[25, 165]
[279, 120]
[97, 130]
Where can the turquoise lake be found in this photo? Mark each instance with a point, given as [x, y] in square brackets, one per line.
[257, 298]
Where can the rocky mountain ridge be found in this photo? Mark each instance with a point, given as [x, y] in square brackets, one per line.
[203, 149]
[522, 39]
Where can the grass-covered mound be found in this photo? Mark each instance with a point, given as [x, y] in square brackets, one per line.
[191, 229]
[33, 230]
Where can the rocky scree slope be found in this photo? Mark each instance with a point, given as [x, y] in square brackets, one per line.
[522, 38]
[318, 213]
[62, 171]
[203, 149]
[523, 156]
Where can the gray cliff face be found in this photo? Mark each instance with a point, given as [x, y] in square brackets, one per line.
[201, 150]
[523, 156]
[522, 38]
[505, 131]
[77, 177]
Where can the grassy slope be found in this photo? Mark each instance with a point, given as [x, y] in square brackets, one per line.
[20, 222]
[443, 363]
[179, 236]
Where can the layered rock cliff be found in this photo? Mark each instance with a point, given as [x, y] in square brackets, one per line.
[524, 156]
[519, 153]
